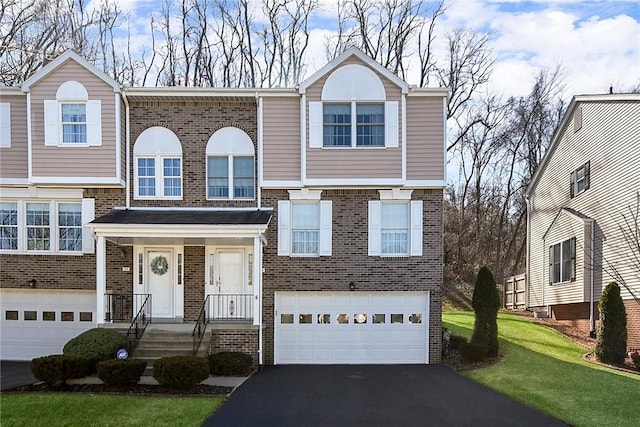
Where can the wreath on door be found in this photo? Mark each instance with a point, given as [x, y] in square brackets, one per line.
[159, 265]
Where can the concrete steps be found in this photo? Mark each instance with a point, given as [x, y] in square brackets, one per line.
[159, 341]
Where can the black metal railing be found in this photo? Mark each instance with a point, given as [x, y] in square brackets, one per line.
[139, 322]
[201, 325]
[231, 307]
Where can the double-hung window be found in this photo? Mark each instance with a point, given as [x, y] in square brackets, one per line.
[158, 165]
[230, 165]
[337, 125]
[370, 125]
[304, 225]
[395, 227]
[562, 261]
[353, 124]
[9, 226]
[74, 123]
[46, 226]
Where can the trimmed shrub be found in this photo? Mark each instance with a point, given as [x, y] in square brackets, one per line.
[486, 302]
[456, 341]
[472, 352]
[181, 371]
[96, 344]
[58, 368]
[116, 372]
[635, 358]
[230, 363]
[611, 344]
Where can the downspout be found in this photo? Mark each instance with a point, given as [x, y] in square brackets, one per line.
[128, 153]
[527, 278]
[260, 150]
[592, 321]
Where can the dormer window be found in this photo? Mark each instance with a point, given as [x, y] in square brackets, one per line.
[353, 112]
[72, 119]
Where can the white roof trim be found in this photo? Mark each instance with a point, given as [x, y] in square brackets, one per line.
[60, 60]
[353, 51]
[568, 212]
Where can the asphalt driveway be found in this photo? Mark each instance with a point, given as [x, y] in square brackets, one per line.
[15, 374]
[370, 395]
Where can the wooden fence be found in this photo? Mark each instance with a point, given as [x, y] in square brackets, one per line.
[515, 292]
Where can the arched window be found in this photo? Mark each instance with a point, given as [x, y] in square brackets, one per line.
[230, 165]
[157, 156]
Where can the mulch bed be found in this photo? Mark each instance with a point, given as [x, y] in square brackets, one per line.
[138, 389]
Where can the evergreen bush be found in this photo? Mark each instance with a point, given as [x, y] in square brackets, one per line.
[181, 371]
[95, 345]
[486, 302]
[230, 363]
[117, 372]
[58, 368]
[611, 344]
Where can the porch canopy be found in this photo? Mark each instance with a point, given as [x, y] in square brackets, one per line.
[178, 226]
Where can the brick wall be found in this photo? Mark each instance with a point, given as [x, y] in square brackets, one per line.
[350, 262]
[65, 271]
[577, 316]
[193, 123]
[243, 340]
[193, 281]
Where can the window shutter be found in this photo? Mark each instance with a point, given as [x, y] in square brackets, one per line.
[5, 125]
[550, 265]
[94, 122]
[416, 228]
[572, 248]
[391, 124]
[325, 227]
[573, 184]
[587, 175]
[284, 227]
[374, 228]
[315, 125]
[88, 215]
[51, 123]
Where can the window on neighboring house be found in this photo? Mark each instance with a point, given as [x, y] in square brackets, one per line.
[74, 123]
[305, 228]
[9, 225]
[395, 227]
[562, 261]
[46, 226]
[230, 165]
[580, 179]
[158, 165]
[70, 227]
[72, 118]
[304, 225]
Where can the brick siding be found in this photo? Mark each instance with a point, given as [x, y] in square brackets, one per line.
[350, 262]
[242, 340]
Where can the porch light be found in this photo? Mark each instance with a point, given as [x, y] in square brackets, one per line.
[352, 286]
[32, 283]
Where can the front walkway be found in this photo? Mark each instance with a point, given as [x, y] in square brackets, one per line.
[371, 395]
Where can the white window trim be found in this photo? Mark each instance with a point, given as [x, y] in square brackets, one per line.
[231, 177]
[87, 207]
[325, 221]
[316, 124]
[5, 125]
[414, 224]
[573, 258]
[159, 177]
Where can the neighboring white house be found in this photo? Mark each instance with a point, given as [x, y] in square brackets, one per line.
[580, 204]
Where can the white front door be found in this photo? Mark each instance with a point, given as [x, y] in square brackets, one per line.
[160, 274]
[228, 284]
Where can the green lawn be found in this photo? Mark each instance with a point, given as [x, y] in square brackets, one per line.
[75, 409]
[545, 370]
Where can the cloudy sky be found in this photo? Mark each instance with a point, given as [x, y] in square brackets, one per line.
[597, 43]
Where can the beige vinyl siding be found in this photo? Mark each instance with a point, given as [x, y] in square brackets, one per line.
[281, 139]
[355, 163]
[425, 138]
[14, 162]
[73, 161]
[608, 139]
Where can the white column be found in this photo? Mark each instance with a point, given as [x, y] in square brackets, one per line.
[257, 279]
[101, 278]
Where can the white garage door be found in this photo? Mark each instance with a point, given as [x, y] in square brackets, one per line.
[351, 327]
[38, 323]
